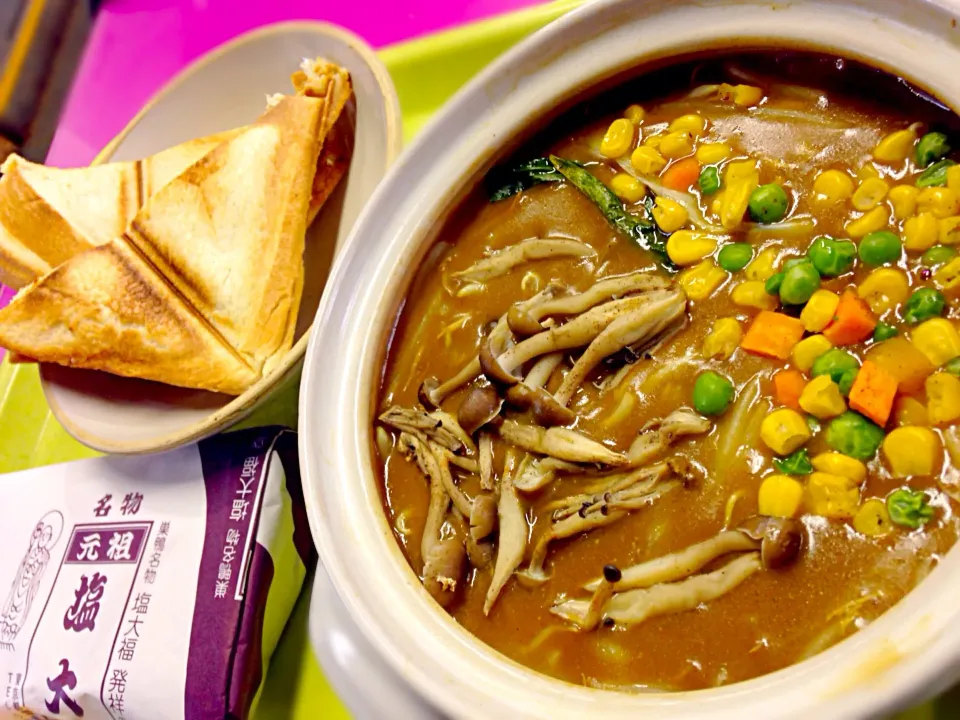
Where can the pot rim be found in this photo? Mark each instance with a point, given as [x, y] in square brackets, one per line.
[910, 651]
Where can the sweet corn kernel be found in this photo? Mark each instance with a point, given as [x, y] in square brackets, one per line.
[834, 463]
[740, 170]
[912, 451]
[896, 146]
[871, 193]
[949, 230]
[751, 293]
[635, 114]
[831, 496]
[686, 247]
[818, 312]
[717, 204]
[669, 214]
[872, 518]
[628, 188]
[762, 266]
[618, 139]
[676, 144]
[943, 398]
[723, 339]
[742, 95]
[821, 397]
[713, 153]
[904, 200]
[784, 431]
[779, 496]
[871, 221]
[735, 201]
[809, 349]
[941, 201]
[693, 124]
[867, 171]
[909, 411]
[884, 289]
[700, 281]
[647, 160]
[920, 232]
[953, 178]
[832, 187]
[947, 278]
[937, 339]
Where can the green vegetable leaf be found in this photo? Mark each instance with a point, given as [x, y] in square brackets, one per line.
[934, 175]
[506, 181]
[796, 464]
[642, 230]
[909, 508]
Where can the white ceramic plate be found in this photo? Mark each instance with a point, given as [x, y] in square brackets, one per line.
[227, 88]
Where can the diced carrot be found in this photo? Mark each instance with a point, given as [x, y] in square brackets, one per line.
[873, 392]
[852, 321]
[787, 387]
[682, 174]
[772, 334]
[901, 360]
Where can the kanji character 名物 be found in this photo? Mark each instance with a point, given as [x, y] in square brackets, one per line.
[59, 685]
[89, 547]
[131, 503]
[149, 576]
[233, 536]
[103, 506]
[229, 553]
[82, 615]
[119, 546]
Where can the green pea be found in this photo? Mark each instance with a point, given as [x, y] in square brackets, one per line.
[709, 180]
[799, 282]
[923, 304]
[712, 393]
[793, 262]
[884, 332]
[834, 362]
[773, 283]
[909, 508]
[935, 175]
[953, 366]
[847, 379]
[768, 204]
[852, 434]
[931, 146]
[832, 257]
[880, 248]
[938, 255]
[735, 256]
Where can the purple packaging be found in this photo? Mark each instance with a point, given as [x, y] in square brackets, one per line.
[150, 587]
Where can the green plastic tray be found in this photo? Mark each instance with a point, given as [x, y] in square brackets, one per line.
[426, 72]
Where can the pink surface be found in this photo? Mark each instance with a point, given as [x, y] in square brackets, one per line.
[137, 45]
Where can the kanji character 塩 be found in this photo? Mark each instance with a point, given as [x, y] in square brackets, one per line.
[119, 546]
[239, 510]
[224, 572]
[118, 683]
[220, 589]
[131, 503]
[103, 506]
[82, 615]
[233, 536]
[59, 685]
[89, 547]
[133, 622]
[141, 603]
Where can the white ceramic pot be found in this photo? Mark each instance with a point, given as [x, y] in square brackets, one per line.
[910, 652]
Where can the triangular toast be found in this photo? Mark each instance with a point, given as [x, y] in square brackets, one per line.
[107, 309]
[228, 233]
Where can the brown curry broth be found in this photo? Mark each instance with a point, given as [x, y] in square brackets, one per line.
[770, 620]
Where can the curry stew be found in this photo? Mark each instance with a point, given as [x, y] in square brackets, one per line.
[672, 402]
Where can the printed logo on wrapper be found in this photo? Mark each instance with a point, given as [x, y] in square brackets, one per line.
[109, 602]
